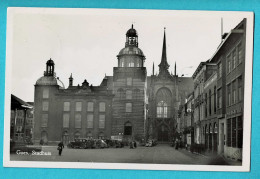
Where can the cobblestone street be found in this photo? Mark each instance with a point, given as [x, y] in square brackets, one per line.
[160, 154]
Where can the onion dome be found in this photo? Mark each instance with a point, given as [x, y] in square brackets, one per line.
[131, 32]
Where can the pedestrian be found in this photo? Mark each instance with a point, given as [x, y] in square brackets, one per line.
[60, 147]
[135, 146]
[176, 144]
[131, 145]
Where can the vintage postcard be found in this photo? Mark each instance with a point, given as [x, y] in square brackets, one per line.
[128, 89]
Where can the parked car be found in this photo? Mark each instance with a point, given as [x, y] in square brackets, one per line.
[99, 143]
[79, 143]
[151, 143]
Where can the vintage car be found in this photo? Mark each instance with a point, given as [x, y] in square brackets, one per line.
[80, 143]
[151, 143]
[99, 143]
[114, 143]
[83, 143]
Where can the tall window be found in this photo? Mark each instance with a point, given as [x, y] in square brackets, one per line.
[120, 93]
[45, 93]
[206, 104]
[228, 95]
[90, 121]
[78, 106]
[66, 106]
[219, 98]
[101, 122]
[128, 107]
[234, 92]
[210, 102]
[44, 120]
[234, 136]
[220, 70]
[129, 81]
[136, 93]
[45, 105]
[78, 121]
[66, 120]
[228, 132]
[128, 94]
[90, 106]
[240, 95]
[162, 109]
[239, 47]
[102, 107]
[228, 63]
[215, 100]
[234, 59]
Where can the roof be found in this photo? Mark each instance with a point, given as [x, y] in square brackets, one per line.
[47, 80]
[131, 50]
[17, 103]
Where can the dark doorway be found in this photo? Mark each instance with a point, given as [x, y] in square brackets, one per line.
[128, 129]
[163, 134]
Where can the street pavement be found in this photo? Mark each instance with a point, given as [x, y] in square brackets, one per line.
[160, 154]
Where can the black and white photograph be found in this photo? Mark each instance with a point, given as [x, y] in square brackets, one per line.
[128, 89]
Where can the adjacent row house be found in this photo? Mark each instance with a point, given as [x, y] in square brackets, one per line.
[218, 97]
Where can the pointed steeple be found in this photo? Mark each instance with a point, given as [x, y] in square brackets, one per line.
[164, 66]
[153, 68]
[175, 72]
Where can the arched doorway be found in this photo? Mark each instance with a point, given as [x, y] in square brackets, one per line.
[128, 129]
[65, 138]
[210, 137]
[44, 137]
[163, 133]
[76, 135]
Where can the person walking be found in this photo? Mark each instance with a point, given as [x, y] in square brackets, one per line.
[60, 147]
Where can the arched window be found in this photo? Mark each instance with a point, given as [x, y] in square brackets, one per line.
[163, 103]
[76, 135]
[210, 128]
[215, 128]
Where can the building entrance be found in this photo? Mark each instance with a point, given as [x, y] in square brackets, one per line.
[163, 133]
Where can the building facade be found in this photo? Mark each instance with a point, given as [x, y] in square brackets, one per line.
[129, 104]
[230, 59]
[65, 114]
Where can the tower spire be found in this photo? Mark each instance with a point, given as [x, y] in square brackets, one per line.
[163, 66]
[153, 68]
[175, 72]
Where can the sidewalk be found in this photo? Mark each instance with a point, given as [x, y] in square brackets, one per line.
[213, 158]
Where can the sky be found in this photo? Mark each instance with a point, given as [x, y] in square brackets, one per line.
[85, 42]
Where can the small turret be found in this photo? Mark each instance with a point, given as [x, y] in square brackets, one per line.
[71, 80]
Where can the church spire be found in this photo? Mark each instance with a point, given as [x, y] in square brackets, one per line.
[164, 66]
